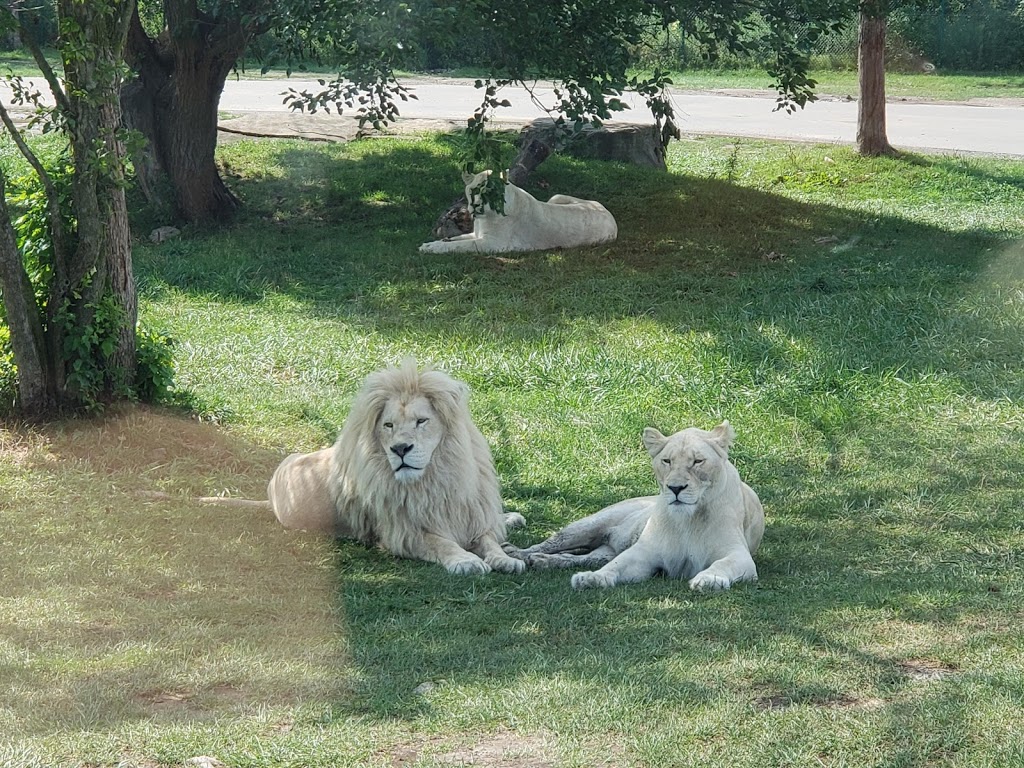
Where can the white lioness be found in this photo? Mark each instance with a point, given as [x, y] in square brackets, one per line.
[528, 224]
[705, 525]
[410, 472]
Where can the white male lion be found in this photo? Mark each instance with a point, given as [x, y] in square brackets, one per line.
[528, 224]
[410, 472]
[704, 526]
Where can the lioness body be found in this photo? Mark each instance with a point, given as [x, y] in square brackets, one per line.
[409, 472]
[529, 224]
[704, 526]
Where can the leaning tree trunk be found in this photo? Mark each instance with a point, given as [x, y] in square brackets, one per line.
[871, 133]
[174, 102]
[37, 387]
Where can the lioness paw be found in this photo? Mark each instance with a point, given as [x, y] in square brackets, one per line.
[506, 564]
[542, 562]
[709, 582]
[468, 567]
[513, 551]
[591, 579]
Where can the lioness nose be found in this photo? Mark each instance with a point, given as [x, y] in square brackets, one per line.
[676, 489]
[400, 449]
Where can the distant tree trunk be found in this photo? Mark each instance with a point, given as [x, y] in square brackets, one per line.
[174, 102]
[871, 133]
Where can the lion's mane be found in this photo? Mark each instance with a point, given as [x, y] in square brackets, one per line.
[458, 495]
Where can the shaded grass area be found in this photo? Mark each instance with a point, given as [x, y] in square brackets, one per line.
[857, 321]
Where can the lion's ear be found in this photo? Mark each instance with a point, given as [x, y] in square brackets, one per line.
[723, 435]
[467, 177]
[654, 441]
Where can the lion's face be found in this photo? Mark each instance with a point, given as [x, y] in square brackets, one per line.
[409, 431]
[688, 463]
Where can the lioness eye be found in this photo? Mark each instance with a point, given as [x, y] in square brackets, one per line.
[388, 425]
[666, 462]
[421, 422]
[697, 461]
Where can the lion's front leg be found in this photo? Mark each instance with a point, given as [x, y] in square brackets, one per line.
[438, 549]
[723, 573]
[488, 548]
[635, 564]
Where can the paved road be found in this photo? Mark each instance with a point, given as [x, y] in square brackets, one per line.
[982, 126]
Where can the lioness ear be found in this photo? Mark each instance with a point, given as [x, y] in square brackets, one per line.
[654, 441]
[723, 435]
[467, 177]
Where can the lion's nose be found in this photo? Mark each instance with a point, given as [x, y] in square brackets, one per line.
[400, 449]
[676, 489]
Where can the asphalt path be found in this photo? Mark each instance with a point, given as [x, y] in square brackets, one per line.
[984, 126]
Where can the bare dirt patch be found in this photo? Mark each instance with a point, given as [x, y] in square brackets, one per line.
[926, 669]
[502, 749]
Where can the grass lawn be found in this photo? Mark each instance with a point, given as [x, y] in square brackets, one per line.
[858, 321]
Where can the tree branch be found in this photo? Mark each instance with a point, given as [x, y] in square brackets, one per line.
[57, 235]
[44, 66]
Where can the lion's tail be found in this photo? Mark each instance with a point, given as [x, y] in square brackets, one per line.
[228, 501]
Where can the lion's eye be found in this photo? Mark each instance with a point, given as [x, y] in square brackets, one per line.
[697, 461]
[388, 425]
[666, 462]
[421, 422]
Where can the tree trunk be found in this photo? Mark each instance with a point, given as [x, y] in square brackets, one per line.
[36, 386]
[871, 134]
[101, 263]
[174, 102]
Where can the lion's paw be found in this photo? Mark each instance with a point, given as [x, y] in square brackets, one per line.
[469, 567]
[514, 520]
[709, 582]
[591, 579]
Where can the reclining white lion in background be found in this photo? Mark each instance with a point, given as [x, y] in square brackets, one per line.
[705, 525]
[528, 224]
[410, 472]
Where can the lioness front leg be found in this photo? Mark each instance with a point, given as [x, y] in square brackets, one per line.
[438, 549]
[596, 559]
[723, 573]
[468, 243]
[491, 552]
[635, 564]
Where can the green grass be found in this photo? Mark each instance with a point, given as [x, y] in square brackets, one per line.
[858, 321]
[944, 86]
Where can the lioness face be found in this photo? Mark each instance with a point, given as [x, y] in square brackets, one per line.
[409, 432]
[687, 463]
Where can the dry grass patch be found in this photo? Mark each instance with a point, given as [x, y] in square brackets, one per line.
[115, 607]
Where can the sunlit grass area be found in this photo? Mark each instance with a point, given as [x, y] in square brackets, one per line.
[859, 323]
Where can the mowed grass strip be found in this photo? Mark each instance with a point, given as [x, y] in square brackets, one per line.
[858, 321]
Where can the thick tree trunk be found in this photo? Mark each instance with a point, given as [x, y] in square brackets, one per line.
[101, 264]
[174, 102]
[871, 133]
